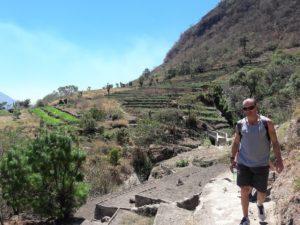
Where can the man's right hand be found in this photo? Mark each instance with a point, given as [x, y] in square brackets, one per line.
[232, 165]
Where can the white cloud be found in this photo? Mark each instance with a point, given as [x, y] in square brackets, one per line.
[34, 63]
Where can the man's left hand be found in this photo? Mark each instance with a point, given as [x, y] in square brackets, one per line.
[279, 166]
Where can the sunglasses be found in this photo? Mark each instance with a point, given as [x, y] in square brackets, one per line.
[249, 108]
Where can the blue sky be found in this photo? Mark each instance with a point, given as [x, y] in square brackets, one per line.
[51, 43]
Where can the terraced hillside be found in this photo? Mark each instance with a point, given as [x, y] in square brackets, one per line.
[151, 100]
[139, 99]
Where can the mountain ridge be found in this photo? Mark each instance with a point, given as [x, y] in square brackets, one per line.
[5, 98]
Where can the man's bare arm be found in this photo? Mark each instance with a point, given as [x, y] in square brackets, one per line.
[234, 149]
[235, 143]
[275, 145]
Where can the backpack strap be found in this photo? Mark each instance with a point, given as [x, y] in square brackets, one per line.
[239, 128]
[265, 122]
[240, 124]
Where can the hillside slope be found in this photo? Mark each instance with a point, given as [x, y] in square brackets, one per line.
[260, 25]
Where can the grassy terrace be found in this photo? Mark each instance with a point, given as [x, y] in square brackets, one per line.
[60, 114]
[45, 117]
[4, 113]
[213, 119]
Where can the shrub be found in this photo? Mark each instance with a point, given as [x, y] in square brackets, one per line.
[108, 135]
[122, 136]
[44, 176]
[16, 113]
[97, 114]
[88, 123]
[191, 122]
[114, 156]
[182, 163]
[117, 114]
[206, 142]
[141, 164]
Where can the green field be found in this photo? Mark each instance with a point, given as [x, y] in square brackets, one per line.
[45, 117]
[60, 114]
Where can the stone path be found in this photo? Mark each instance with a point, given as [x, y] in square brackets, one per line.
[220, 204]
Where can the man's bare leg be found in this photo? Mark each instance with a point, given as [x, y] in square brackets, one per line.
[261, 197]
[245, 191]
[260, 200]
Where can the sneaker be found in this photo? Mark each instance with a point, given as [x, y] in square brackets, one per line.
[261, 212]
[245, 221]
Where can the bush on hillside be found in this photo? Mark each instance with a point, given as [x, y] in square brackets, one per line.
[123, 136]
[97, 114]
[114, 156]
[116, 113]
[16, 113]
[88, 123]
[44, 176]
[182, 163]
[191, 122]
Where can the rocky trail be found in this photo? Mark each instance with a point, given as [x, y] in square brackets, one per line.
[178, 198]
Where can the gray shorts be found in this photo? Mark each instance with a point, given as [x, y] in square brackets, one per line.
[256, 177]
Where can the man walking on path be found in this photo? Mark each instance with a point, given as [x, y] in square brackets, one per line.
[251, 154]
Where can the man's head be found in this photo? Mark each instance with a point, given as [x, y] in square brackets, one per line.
[250, 107]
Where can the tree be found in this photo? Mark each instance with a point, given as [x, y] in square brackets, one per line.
[22, 104]
[67, 90]
[251, 79]
[44, 177]
[108, 87]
